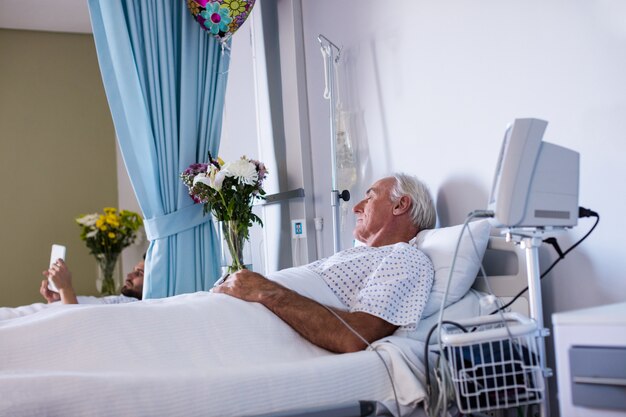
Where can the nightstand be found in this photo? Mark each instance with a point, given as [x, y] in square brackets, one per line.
[590, 346]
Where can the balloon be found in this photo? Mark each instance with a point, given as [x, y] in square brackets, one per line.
[221, 18]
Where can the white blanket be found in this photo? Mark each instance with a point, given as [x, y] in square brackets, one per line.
[201, 354]
[14, 312]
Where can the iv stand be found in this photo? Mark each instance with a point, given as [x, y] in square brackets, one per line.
[328, 52]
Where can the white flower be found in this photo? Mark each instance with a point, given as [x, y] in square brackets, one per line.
[218, 179]
[88, 220]
[91, 234]
[213, 179]
[243, 170]
[202, 178]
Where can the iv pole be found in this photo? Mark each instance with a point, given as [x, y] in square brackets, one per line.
[328, 52]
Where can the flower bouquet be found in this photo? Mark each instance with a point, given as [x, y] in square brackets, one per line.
[106, 235]
[228, 191]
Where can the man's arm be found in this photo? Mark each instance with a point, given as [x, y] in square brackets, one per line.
[309, 318]
[62, 278]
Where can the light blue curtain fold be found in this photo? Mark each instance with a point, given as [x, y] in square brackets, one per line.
[165, 80]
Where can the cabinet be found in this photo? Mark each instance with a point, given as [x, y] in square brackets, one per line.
[590, 346]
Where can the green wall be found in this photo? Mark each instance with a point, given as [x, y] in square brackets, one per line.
[57, 157]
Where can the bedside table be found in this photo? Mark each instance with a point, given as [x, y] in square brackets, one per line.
[590, 346]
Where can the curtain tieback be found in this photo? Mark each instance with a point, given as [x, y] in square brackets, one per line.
[173, 223]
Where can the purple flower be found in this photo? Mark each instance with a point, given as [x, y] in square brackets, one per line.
[261, 169]
[195, 169]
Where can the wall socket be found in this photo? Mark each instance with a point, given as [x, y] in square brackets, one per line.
[298, 229]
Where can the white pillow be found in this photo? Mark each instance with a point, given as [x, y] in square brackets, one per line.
[439, 245]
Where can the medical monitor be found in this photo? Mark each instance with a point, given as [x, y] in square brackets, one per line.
[536, 182]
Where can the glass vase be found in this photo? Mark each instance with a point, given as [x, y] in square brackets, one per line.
[109, 274]
[235, 252]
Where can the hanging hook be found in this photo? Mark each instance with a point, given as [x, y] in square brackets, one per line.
[326, 55]
[326, 47]
[321, 38]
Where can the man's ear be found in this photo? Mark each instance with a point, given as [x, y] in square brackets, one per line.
[402, 205]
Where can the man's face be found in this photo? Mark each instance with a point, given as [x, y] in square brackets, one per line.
[374, 211]
[133, 286]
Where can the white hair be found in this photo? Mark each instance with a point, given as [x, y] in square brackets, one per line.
[423, 212]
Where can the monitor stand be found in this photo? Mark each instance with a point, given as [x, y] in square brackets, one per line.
[530, 239]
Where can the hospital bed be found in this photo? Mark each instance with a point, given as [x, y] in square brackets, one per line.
[186, 356]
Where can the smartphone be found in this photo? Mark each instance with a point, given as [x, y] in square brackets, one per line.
[57, 252]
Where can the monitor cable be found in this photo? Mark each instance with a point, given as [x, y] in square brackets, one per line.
[582, 212]
[427, 350]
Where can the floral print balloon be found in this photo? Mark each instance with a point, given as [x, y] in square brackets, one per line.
[221, 18]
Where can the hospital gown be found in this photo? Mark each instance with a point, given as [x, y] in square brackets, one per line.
[391, 282]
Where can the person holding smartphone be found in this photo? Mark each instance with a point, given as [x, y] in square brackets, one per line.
[61, 276]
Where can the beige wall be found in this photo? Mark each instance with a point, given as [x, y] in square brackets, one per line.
[57, 157]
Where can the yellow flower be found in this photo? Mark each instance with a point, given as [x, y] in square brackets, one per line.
[110, 232]
[101, 223]
[112, 220]
[193, 7]
[236, 6]
[220, 161]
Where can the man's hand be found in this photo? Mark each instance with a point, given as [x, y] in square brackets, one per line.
[250, 286]
[61, 276]
[45, 292]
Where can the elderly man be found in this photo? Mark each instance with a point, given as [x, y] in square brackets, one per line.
[383, 285]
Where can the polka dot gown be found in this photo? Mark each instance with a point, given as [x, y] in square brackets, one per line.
[391, 282]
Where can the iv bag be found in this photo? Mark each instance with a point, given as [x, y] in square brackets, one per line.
[345, 153]
[345, 159]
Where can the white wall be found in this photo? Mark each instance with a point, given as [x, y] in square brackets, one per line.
[431, 88]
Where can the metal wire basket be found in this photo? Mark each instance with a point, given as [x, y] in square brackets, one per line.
[494, 364]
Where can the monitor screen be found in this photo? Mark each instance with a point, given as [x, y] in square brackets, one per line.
[535, 182]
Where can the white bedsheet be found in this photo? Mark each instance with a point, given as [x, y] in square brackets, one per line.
[14, 312]
[199, 354]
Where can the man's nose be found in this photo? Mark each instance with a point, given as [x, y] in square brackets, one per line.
[357, 207]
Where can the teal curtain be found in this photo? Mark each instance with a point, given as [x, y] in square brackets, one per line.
[165, 80]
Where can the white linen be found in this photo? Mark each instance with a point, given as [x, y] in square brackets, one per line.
[13, 312]
[198, 354]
